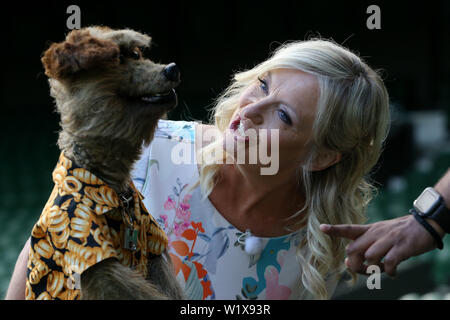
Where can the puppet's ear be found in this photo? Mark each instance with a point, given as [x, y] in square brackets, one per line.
[80, 51]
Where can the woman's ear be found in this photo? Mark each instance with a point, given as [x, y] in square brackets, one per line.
[325, 159]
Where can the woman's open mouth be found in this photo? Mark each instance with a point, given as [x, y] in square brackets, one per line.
[237, 127]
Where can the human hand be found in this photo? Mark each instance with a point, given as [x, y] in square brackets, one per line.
[394, 240]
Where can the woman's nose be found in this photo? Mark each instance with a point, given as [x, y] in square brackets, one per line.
[254, 112]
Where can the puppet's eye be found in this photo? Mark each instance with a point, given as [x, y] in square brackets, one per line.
[135, 54]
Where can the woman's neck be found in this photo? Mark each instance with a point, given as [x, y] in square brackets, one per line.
[262, 202]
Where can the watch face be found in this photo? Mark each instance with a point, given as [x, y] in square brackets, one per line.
[426, 201]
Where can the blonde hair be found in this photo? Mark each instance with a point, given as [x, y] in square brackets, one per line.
[352, 118]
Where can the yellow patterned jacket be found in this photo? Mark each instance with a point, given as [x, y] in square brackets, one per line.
[81, 225]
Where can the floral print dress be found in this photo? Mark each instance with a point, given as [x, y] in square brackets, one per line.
[207, 251]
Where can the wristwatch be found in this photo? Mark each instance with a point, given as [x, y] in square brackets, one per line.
[431, 205]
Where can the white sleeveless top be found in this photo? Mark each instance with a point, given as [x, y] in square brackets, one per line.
[207, 251]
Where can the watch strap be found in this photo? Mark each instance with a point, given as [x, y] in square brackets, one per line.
[428, 227]
[442, 217]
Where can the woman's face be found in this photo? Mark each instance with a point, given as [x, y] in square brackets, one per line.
[284, 100]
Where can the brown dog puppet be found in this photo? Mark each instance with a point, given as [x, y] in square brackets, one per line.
[94, 238]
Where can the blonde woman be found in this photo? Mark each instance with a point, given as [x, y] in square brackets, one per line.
[235, 233]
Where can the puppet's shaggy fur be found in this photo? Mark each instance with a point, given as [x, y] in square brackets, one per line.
[110, 98]
[105, 93]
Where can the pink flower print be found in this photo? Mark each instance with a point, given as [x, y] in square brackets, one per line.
[185, 206]
[185, 225]
[164, 218]
[274, 290]
[186, 198]
[183, 214]
[169, 204]
[177, 229]
[180, 227]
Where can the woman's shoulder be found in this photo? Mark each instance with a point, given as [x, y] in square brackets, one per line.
[177, 130]
[185, 131]
[172, 144]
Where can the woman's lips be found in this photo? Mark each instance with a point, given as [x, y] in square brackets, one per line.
[238, 129]
[234, 125]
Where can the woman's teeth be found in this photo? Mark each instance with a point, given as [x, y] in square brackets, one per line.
[240, 129]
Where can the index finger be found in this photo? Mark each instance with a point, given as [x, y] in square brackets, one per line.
[349, 231]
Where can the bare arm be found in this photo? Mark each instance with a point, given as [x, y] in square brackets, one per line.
[443, 187]
[394, 240]
[16, 289]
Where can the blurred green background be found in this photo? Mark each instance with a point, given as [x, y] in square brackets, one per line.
[211, 41]
[27, 161]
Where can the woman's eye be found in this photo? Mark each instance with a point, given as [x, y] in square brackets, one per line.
[284, 117]
[263, 85]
